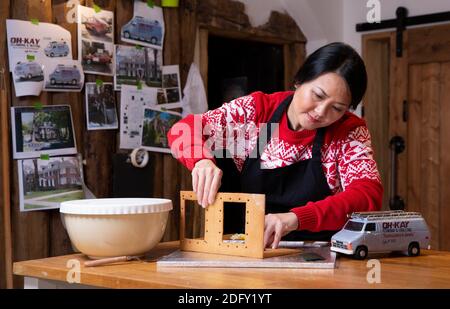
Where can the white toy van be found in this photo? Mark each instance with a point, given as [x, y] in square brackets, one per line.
[382, 231]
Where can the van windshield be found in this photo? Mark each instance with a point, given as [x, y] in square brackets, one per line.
[354, 226]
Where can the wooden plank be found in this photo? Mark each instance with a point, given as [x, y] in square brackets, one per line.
[429, 44]
[376, 104]
[415, 103]
[429, 164]
[294, 56]
[30, 229]
[398, 88]
[5, 160]
[444, 170]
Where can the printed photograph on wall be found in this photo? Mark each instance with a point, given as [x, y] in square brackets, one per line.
[101, 106]
[64, 75]
[155, 126]
[146, 27]
[96, 26]
[44, 184]
[47, 130]
[137, 64]
[97, 57]
[96, 40]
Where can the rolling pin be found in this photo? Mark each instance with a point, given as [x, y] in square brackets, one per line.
[110, 260]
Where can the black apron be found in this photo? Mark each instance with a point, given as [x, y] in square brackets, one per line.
[285, 187]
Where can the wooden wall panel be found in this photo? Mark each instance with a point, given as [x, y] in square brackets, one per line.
[376, 103]
[430, 149]
[444, 157]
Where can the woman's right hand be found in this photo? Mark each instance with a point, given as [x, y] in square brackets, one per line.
[206, 180]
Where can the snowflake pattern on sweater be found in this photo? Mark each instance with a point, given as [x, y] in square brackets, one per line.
[343, 160]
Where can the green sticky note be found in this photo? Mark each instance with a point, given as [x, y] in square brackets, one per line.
[139, 85]
[37, 105]
[151, 3]
[97, 9]
[34, 21]
[138, 47]
[30, 57]
[45, 157]
[99, 82]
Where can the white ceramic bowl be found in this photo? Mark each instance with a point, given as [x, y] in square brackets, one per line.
[113, 227]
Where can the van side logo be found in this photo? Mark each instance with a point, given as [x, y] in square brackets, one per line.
[398, 226]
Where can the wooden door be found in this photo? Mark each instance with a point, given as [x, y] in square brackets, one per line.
[418, 110]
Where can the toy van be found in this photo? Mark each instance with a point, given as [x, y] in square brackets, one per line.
[64, 74]
[142, 29]
[56, 49]
[28, 70]
[382, 231]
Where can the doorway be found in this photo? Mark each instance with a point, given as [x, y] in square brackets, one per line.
[407, 97]
[237, 67]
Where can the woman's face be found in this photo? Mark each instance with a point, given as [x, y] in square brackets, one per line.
[319, 103]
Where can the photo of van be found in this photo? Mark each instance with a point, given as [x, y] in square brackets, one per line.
[29, 71]
[144, 30]
[57, 49]
[382, 231]
[64, 74]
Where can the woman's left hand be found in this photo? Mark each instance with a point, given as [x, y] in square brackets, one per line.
[278, 225]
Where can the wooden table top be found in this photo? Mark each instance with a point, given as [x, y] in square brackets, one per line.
[429, 270]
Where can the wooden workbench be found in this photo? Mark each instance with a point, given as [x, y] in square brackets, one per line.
[430, 270]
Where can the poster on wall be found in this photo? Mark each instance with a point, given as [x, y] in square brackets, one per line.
[132, 104]
[155, 125]
[101, 113]
[137, 66]
[42, 131]
[44, 42]
[44, 184]
[63, 75]
[146, 27]
[96, 40]
[31, 48]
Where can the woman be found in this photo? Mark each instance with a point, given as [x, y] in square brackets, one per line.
[316, 163]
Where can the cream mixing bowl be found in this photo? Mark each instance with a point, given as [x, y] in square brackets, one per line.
[102, 228]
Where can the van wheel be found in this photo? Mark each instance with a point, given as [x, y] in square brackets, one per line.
[361, 253]
[413, 249]
[74, 81]
[153, 40]
[89, 61]
[52, 54]
[126, 35]
[29, 76]
[52, 81]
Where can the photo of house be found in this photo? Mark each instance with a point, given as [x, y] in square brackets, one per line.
[156, 124]
[46, 183]
[42, 131]
[135, 64]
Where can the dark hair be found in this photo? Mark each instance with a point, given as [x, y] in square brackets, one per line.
[337, 58]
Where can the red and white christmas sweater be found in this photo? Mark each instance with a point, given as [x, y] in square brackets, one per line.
[347, 155]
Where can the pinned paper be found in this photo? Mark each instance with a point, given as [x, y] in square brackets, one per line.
[44, 157]
[37, 105]
[97, 9]
[34, 21]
